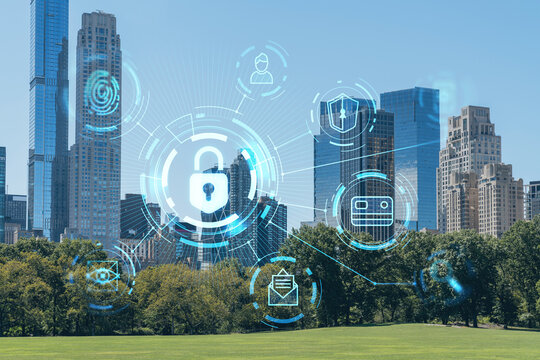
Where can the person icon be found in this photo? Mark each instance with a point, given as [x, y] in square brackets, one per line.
[261, 75]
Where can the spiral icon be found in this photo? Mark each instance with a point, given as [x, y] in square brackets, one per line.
[101, 93]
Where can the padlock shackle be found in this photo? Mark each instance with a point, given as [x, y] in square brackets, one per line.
[205, 149]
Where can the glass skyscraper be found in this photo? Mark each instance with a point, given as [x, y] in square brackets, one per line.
[2, 193]
[48, 143]
[416, 122]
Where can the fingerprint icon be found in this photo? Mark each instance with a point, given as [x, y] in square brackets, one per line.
[101, 93]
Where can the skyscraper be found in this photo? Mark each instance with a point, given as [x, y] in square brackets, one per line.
[363, 157]
[416, 122]
[500, 199]
[16, 210]
[326, 178]
[48, 142]
[270, 235]
[2, 193]
[95, 156]
[470, 145]
[532, 200]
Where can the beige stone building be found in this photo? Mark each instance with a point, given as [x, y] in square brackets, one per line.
[500, 199]
[470, 145]
[462, 207]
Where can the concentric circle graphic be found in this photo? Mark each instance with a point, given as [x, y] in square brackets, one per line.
[376, 214]
[283, 292]
[439, 282]
[216, 181]
[112, 110]
[107, 281]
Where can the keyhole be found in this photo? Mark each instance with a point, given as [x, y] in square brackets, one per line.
[208, 189]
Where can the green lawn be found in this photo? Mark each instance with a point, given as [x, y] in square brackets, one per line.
[369, 342]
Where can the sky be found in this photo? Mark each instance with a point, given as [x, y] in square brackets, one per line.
[483, 53]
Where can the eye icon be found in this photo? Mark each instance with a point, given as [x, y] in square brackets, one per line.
[102, 276]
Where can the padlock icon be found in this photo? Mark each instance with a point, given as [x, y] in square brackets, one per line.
[208, 192]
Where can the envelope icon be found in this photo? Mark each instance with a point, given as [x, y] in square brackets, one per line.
[102, 276]
[283, 290]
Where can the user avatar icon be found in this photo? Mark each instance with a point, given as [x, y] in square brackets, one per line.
[261, 75]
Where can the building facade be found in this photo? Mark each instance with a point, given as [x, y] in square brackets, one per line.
[462, 210]
[95, 157]
[470, 145]
[16, 210]
[270, 235]
[417, 139]
[532, 200]
[48, 210]
[2, 194]
[500, 199]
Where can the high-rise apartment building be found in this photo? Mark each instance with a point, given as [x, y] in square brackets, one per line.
[16, 210]
[48, 209]
[417, 139]
[500, 199]
[532, 200]
[470, 145]
[2, 193]
[372, 151]
[462, 207]
[96, 155]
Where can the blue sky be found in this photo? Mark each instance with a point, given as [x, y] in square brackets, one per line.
[481, 53]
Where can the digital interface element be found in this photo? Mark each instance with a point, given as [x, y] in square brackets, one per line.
[208, 192]
[261, 75]
[210, 216]
[334, 113]
[106, 277]
[373, 214]
[277, 295]
[283, 290]
[102, 275]
[262, 71]
[372, 211]
[104, 98]
[348, 115]
[101, 93]
[439, 283]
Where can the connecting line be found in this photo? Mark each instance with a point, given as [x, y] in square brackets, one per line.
[303, 207]
[291, 140]
[325, 254]
[360, 157]
[374, 283]
[241, 102]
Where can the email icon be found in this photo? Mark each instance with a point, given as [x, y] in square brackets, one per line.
[283, 290]
[102, 276]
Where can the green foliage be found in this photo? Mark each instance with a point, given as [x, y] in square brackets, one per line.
[502, 278]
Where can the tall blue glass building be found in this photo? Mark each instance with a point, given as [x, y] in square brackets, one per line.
[416, 122]
[48, 145]
[2, 194]
[326, 150]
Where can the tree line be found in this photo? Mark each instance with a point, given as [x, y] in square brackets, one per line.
[501, 278]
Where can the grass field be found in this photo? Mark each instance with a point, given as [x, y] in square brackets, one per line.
[369, 342]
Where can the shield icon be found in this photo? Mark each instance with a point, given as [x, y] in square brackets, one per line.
[343, 113]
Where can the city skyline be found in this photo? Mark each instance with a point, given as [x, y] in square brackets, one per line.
[304, 148]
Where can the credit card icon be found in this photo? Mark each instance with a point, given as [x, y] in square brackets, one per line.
[372, 211]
